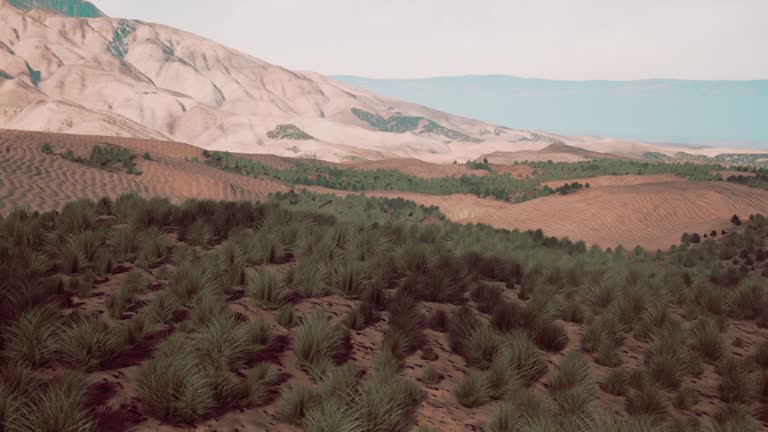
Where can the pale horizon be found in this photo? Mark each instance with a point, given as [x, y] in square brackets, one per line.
[593, 40]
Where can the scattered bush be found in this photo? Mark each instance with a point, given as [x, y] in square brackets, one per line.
[63, 407]
[572, 387]
[174, 387]
[258, 382]
[473, 390]
[86, 343]
[266, 289]
[430, 376]
[294, 403]
[647, 400]
[616, 382]
[706, 340]
[286, 316]
[315, 340]
[30, 340]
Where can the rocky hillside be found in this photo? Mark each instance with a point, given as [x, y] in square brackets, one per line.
[121, 77]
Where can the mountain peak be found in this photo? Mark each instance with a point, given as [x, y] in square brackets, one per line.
[73, 8]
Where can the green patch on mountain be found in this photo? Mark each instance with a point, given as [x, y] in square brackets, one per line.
[118, 47]
[34, 75]
[73, 8]
[402, 124]
[288, 132]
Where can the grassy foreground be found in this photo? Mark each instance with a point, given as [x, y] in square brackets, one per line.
[206, 301]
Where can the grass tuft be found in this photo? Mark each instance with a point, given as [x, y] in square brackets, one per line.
[87, 343]
[473, 390]
[316, 340]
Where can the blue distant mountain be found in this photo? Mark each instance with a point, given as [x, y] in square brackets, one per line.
[729, 113]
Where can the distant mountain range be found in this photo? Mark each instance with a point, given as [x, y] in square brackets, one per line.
[714, 113]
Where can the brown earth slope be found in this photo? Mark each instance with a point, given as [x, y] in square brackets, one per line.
[651, 211]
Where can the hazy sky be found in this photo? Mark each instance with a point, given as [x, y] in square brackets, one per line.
[557, 39]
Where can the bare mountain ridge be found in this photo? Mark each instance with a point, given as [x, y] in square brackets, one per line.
[108, 76]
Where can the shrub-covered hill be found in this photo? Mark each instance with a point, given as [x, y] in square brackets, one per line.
[499, 186]
[313, 312]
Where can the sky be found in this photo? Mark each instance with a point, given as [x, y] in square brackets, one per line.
[551, 39]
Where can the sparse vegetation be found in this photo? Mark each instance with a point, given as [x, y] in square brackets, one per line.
[205, 300]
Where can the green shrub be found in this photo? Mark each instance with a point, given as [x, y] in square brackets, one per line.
[482, 346]
[224, 343]
[316, 340]
[72, 260]
[572, 387]
[386, 402]
[362, 316]
[174, 387]
[733, 418]
[199, 234]
[686, 398]
[430, 376]
[286, 316]
[406, 326]
[121, 300]
[647, 400]
[573, 312]
[266, 289]
[506, 316]
[258, 382]
[206, 307]
[294, 403]
[188, 281]
[519, 414]
[520, 355]
[260, 333]
[429, 354]
[152, 248]
[46, 149]
[331, 415]
[503, 381]
[309, 279]
[63, 407]
[87, 343]
[737, 384]
[473, 390]
[486, 296]
[348, 279]
[338, 382]
[550, 336]
[668, 359]
[706, 340]
[461, 325]
[30, 340]
[760, 355]
[162, 309]
[438, 321]
[616, 382]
